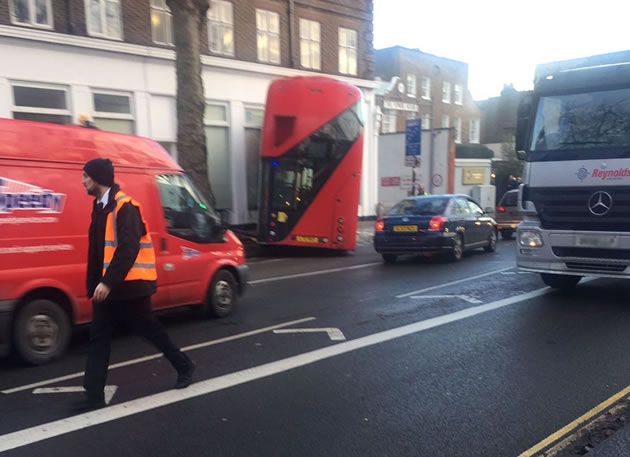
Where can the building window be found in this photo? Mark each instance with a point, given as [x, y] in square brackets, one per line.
[458, 130]
[221, 28]
[35, 13]
[459, 95]
[161, 22]
[268, 36]
[445, 121]
[426, 88]
[253, 126]
[218, 153]
[103, 18]
[411, 85]
[389, 122]
[41, 103]
[446, 92]
[310, 44]
[474, 131]
[426, 121]
[112, 112]
[347, 51]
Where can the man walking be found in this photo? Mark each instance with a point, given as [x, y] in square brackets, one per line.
[121, 277]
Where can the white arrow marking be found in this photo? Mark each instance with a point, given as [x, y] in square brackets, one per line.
[109, 391]
[462, 297]
[333, 333]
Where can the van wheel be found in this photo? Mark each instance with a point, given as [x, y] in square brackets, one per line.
[560, 282]
[222, 294]
[41, 331]
[506, 234]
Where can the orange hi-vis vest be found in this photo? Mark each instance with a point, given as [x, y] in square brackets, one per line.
[144, 266]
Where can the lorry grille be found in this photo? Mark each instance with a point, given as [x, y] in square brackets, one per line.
[592, 253]
[562, 208]
[595, 267]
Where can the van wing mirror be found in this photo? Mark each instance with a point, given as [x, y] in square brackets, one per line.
[522, 125]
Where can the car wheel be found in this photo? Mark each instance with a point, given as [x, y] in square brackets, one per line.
[492, 242]
[222, 294]
[560, 282]
[507, 234]
[457, 250]
[41, 331]
[389, 258]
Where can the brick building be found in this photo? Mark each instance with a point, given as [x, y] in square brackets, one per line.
[428, 87]
[114, 60]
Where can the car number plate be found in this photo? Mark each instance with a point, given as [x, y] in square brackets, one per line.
[597, 241]
[405, 228]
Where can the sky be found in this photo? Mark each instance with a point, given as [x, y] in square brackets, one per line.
[503, 40]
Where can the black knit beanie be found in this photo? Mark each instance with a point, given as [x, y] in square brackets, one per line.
[101, 171]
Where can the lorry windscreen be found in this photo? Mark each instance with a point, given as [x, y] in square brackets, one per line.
[582, 126]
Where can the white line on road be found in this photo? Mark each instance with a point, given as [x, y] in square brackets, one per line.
[129, 408]
[109, 391]
[333, 333]
[313, 273]
[157, 356]
[452, 283]
[462, 297]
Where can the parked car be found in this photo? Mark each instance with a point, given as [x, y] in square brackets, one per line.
[449, 224]
[507, 215]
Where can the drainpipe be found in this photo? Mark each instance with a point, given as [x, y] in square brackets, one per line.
[291, 31]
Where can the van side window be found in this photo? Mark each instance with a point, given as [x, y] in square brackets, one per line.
[186, 213]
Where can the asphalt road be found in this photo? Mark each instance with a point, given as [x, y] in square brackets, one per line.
[419, 358]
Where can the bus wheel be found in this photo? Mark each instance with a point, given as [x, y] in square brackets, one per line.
[222, 294]
[561, 282]
[389, 258]
[41, 331]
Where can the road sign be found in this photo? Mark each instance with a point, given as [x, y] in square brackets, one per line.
[412, 161]
[413, 132]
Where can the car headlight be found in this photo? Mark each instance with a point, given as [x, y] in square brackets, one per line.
[530, 238]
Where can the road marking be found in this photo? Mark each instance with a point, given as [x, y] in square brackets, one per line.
[256, 262]
[452, 283]
[109, 391]
[577, 422]
[129, 408]
[157, 356]
[333, 333]
[462, 297]
[313, 273]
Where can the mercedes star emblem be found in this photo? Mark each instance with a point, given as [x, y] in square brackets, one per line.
[600, 203]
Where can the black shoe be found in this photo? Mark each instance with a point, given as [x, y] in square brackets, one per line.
[184, 378]
[88, 404]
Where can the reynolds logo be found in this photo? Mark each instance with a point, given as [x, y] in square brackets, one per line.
[17, 196]
[582, 174]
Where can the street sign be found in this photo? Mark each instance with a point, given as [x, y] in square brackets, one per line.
[413, 132]
[412, 161]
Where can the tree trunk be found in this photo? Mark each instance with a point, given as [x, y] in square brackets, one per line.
[189, 16]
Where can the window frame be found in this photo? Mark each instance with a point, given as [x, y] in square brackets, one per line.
[309, 41]
[412, 88]
[348, 48]
[35, 110]
[448, 121]
[446, 92]
[50, 25]
[103, 18]
[427, 80]
[268, 33]
[426, 119]
[458, 130]
[459, 94]
[163, 9]
[474, 139]
[222, 26]
[110, 115]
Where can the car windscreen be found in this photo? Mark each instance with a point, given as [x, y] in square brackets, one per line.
[509, 199]
[425, 206]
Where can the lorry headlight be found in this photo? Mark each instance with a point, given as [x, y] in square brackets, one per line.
[530, 238]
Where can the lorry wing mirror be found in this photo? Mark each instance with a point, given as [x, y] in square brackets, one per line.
[522, 125]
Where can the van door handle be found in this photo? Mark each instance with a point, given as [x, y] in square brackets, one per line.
[169, 267]
[163, 244]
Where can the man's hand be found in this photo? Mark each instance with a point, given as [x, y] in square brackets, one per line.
[101, 292]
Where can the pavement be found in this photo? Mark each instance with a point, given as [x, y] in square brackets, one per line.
[617, 445]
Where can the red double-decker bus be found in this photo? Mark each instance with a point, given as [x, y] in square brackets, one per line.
[311, 151]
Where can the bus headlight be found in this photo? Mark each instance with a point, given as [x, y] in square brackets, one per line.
[530, 238]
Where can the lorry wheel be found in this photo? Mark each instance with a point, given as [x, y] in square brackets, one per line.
[222, 294]
[389, 258]
[561, 282]
[506, 234]
[41, 331]
[457, 251]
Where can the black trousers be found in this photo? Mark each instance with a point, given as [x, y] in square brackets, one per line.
[136, 315]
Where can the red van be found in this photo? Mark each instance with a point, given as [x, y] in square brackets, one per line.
[44, 220]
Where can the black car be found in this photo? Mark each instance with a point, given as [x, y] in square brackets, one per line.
[450, 224]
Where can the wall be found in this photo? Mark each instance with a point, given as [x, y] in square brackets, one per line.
[463, 164]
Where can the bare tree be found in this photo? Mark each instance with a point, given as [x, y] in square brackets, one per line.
[189, 16]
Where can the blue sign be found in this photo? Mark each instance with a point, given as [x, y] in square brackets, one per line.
[413, 133]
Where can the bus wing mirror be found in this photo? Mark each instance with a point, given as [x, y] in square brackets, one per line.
[522, 126]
